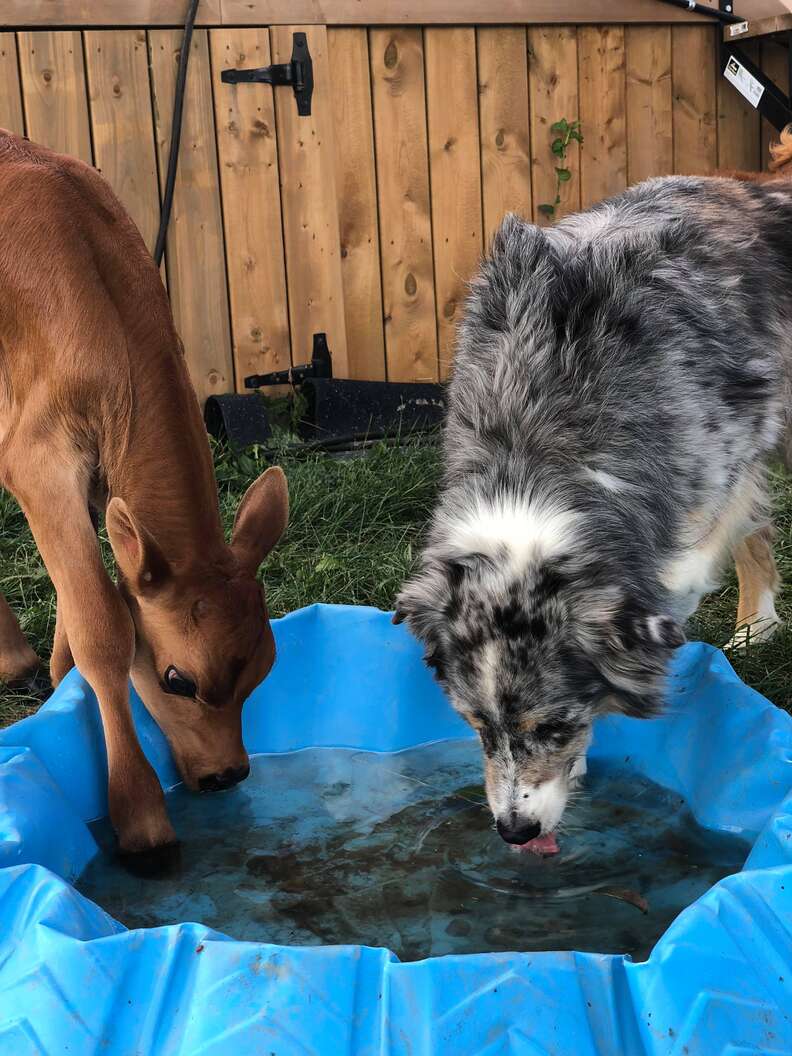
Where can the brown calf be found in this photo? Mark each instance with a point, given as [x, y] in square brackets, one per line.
[97, 412]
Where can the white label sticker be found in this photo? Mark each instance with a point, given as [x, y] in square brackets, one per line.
[737, 30]
[745, 83]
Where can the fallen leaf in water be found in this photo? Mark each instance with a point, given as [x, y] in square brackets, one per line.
[625, 895]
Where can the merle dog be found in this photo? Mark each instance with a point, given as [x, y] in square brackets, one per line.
[619, 382]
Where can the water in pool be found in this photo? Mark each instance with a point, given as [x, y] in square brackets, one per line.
[339, 846]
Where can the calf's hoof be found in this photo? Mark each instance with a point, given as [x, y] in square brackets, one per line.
[19, 668]
[36, 685]
[152, 862]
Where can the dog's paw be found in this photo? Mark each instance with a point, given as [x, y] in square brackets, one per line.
[752, 633]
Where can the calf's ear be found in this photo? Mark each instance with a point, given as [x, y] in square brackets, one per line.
[138, 557]
[261, 519]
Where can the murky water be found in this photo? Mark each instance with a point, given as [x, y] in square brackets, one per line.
[337, 846]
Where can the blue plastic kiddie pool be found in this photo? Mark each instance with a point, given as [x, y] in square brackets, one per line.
[73, 980]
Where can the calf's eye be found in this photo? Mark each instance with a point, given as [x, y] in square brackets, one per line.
[177, 683]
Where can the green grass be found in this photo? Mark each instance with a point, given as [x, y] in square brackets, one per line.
[353, 535]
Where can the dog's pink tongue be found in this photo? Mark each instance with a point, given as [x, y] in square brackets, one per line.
[541, 845]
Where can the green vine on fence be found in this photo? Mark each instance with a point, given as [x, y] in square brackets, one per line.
[567, 131]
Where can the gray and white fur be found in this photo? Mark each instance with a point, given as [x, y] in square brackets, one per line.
[619, 382]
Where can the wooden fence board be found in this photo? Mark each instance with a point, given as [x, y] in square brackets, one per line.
[195, 256]
[455, 170]
[603, 161]
[170, 13]
[53, 90]
[504, 123]
[438, 12]
[356, 186]
[694, 111]
[248, 161]
[376, 253]
[306, 156]
[650, 145]
[122, 123]
[553, 80]
[739, 133]
[397, 65]
[775, 65]
[11, 115]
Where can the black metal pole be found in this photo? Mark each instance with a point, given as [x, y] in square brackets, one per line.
[702, 9]
[175, 139]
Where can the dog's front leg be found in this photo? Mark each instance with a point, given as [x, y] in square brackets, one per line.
[101, 637]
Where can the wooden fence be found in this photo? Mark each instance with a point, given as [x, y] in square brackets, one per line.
[365, 219]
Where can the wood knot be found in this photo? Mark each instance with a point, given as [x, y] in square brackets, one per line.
[500, 139]
[261, 128]
[344, 252]
[46, 76]
[391, 55]
[256, 334]
[449, 309]
[213, 378]
[410, 285]
[116, 88]
[450, 143]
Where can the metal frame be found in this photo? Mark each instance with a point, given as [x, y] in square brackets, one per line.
[775, 106]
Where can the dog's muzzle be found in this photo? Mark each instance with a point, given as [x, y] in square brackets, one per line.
[520, 832]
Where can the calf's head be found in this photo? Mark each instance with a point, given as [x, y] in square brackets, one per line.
[203, 639]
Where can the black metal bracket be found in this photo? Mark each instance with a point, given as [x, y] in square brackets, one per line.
[773, 104]
[298, 74]
[335, 412]
[321, 366]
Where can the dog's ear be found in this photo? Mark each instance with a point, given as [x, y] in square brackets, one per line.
[659, 629]
[138, 557]
[635, 625]
[629, 644]
[621, 623]
[422, 601]
[635, 706]
[261, 519]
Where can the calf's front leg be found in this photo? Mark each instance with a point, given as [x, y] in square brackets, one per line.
[100, 633]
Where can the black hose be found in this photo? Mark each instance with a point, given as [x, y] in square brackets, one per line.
[175, 139]
[703, 9]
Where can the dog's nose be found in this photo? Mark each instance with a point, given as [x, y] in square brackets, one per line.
[229, 777]
[521, 832]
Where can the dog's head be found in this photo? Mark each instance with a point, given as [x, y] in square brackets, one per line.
[203, 639]
[529, 656]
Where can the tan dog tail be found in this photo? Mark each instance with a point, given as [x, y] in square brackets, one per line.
[782, 152]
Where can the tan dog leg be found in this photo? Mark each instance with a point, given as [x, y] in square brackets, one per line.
[101, 637]
[757, 619]
[61, 661]
[17, 659]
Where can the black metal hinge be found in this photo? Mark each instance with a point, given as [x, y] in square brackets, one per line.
[298, 74]
[321, 366]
